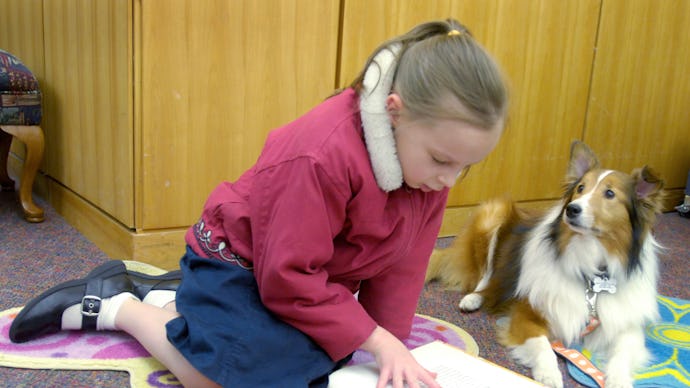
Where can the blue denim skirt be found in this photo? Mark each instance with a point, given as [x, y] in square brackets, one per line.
[229, 336]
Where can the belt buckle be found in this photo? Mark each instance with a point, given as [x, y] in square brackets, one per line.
[90, 305]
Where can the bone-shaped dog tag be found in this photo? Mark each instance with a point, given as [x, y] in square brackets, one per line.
[603, 283]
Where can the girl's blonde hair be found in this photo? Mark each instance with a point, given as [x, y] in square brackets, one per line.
[439, 59]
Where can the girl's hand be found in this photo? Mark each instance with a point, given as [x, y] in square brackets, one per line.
[396, 363]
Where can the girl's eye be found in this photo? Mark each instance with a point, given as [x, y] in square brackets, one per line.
[609, 194]
[438, 161]
[580, 188]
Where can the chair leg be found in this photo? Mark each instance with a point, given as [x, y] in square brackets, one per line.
[6, 183]
[32, 136]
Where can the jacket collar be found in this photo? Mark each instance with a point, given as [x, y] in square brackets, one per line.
[378, 131]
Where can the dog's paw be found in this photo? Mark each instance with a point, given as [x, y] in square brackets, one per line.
[549, 377]
[618, 381]
[471, 302]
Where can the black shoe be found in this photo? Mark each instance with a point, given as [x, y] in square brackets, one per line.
[43, 314]
[143, 283]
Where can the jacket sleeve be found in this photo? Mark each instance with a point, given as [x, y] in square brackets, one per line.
[296, 211]
[391, 297]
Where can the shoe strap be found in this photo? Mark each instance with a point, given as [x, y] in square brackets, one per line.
[91, 303]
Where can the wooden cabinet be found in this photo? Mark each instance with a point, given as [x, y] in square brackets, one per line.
[212, 77]
[151, 103]
[216, 76]
[639, 105]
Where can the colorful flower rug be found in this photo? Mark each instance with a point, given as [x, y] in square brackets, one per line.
[109, 350]
[669, 342]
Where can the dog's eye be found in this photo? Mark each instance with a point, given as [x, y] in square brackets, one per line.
[609, 194]
[580, 188]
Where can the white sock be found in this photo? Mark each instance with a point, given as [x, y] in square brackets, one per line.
[159, 298]
[72, 318]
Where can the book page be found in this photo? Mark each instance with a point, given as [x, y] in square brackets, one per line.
[454, 368]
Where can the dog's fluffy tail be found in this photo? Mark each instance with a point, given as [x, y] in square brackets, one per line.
[467, 259]
[437, 263]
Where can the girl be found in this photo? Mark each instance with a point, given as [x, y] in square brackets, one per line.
[345, 200]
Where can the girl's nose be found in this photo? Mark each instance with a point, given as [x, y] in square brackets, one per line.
[448, 180]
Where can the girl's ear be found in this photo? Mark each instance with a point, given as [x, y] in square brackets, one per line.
[393, 107]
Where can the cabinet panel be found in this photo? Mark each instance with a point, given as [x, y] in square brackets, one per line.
[639, 106]
[88, 102]
[546, 49]
[216, 77]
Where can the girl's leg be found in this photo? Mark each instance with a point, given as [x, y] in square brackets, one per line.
[151, 334]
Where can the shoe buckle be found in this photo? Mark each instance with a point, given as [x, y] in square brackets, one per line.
[90, 305]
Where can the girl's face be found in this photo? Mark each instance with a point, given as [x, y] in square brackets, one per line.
[434, 153]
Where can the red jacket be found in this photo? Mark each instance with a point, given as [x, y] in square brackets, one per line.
[311, 219]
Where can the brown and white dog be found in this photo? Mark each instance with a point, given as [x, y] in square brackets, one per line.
[584, 271]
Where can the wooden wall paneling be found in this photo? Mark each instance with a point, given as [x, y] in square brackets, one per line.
[639, 109]
[88, 59]
[216, 77]
[546, 49]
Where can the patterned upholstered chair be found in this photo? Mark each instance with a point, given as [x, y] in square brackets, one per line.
[20, 118]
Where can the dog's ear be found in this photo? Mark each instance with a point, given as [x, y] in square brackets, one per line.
[649, 189]
[582, 159]
[647, 182]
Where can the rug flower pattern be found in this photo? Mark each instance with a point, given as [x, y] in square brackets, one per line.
[669, 341]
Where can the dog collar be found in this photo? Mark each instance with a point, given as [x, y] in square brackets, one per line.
[594, 286]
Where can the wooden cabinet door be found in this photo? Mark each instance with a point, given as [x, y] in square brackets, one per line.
[216, 77]
[639, 108]
[546, 49]
[88, 102]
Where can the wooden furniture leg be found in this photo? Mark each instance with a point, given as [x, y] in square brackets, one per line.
[6, 183]
[32, 137]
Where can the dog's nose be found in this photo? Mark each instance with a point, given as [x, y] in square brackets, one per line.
[573, 210]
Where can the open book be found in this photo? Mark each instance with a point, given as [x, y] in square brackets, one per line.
[454, 368]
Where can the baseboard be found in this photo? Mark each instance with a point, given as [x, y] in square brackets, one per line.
[160, 248]
[455, 217]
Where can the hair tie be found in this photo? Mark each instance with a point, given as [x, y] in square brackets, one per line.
[454, 33]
